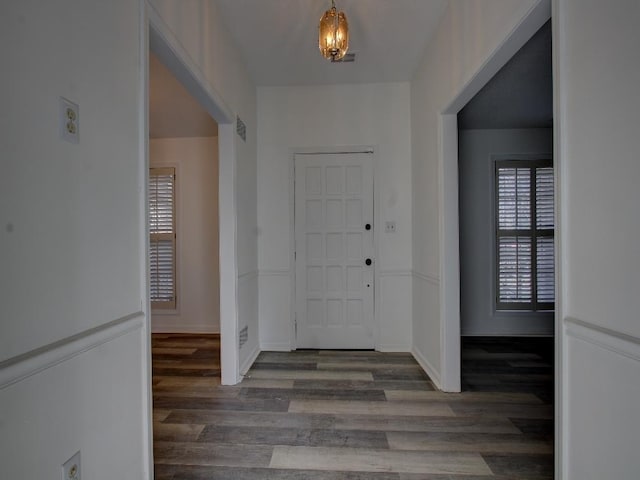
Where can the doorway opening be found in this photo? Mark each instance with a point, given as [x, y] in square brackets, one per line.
[505, 190]
[183, 245]
[449, 191]
[163, 44]
[506, 199]
[183, 208]
[183, 225]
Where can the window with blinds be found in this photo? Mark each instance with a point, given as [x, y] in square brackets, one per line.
[162, 241]
[524, 236]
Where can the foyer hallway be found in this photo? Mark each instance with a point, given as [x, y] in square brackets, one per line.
[355, 415]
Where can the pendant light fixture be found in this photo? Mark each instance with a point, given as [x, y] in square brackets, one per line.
[333, 34]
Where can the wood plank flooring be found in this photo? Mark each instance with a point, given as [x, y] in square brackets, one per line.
[329, 415]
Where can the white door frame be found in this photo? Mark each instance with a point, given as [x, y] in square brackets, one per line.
[448, 195]
[292, 231]
[448, 191]
[156, 35]
[165, 45]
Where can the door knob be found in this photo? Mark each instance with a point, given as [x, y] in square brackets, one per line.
[367, 261]
[367, 226]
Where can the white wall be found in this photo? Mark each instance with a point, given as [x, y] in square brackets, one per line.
[476, 155]
[73, 345]
[87, 401]
[468, 36]
[331, 117]
[597, 77]
[198, 280]
[200, 31]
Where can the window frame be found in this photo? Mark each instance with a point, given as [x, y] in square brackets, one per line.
[164, 305]
[533, 233]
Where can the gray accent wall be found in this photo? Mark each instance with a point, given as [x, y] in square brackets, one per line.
[520, 95]
[478, 150]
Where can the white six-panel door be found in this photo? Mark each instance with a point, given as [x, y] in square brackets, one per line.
[334, 239]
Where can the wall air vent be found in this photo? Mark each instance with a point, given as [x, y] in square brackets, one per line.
[241, 129]
[348, 58]
[243, 336]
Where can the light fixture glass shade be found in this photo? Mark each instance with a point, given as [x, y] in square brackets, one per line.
[333, 34]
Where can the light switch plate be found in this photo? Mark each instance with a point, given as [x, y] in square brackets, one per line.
[69, 121]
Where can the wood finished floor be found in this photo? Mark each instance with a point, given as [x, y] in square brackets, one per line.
[339, 415]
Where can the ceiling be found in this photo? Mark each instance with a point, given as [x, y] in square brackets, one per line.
[278, 39]
[173, 112]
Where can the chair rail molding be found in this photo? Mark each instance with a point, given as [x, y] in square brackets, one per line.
[616, 342]
[23, 366]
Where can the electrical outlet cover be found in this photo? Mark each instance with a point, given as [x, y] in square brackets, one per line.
[71, 468]
[69, 121]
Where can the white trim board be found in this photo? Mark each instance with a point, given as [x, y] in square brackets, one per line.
[169, 50]
[143, 209]
[602, 387]
[616, 342]
[274, 273]
[23, 366]
[433, 279]
[394, 347]
[183, 328]
[450, 372]
[246, 365]
[248, 275]
[427, 367]
[275, 347]
[395, 273]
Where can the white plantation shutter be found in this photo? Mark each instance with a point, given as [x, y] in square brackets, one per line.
[545, 272]
[514, 265]
[514, 207]
[544, 199]
[545, 225]
[524, 240]
[162, 242]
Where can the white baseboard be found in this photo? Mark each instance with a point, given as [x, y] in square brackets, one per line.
[434, 375]
[184, 328]
[394, 348]
[275, 347]
[246, 365]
